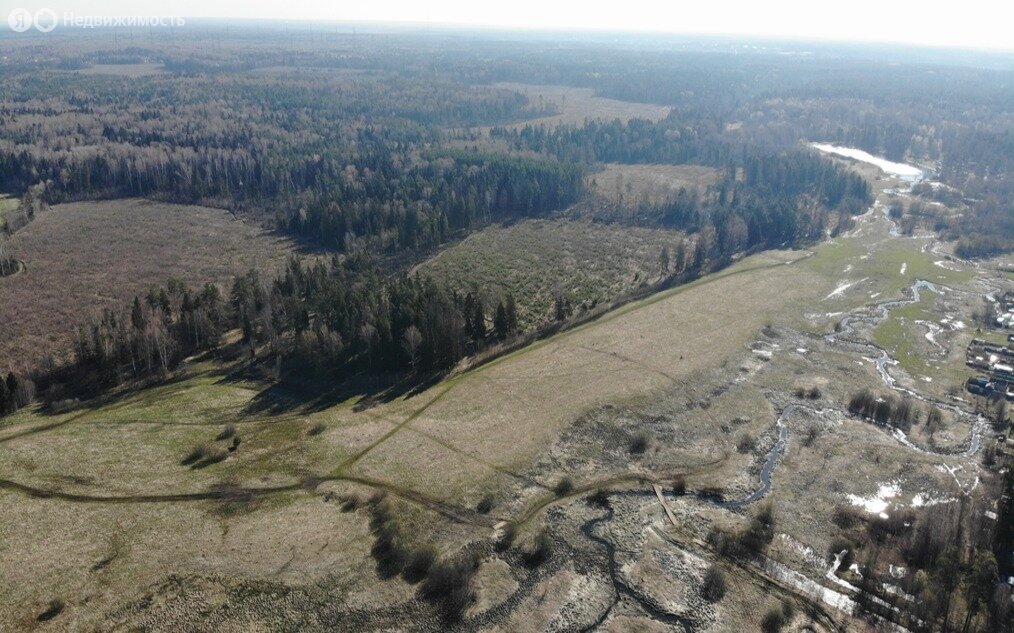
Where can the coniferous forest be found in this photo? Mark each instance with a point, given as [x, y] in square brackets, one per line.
[385, 161]
[408, 191]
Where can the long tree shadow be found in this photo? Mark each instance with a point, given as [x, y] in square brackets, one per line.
[314, 395]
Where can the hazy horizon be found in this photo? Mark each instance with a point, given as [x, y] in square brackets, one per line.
[976, 24]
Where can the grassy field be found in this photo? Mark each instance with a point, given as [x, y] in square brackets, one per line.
[576, 105]
[7, 203]
[457, 441]
[631, 184]
[869, 268]
[83, 257]
[589, 263]
[681, 366]
[903, 335]
[511, 409]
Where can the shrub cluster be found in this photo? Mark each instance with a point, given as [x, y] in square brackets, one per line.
[749, 542]
[15, 392]
[714, 586]
[540, 549]
[446, 583]
[887, 409]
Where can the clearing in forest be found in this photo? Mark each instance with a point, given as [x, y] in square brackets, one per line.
[83, 257]
[576, 105]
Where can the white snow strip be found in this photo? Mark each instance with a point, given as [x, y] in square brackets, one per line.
[904, 267]
[903, 171]
[877, 504]
[840, 290]
[921, 500]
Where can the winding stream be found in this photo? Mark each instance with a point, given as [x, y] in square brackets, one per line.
[620, 588]
[769, 465]
[883, 360]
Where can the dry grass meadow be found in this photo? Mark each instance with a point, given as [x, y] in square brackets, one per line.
[83, 257]
[110, 521]
[633, 184]
[589, 263]
[576, 105]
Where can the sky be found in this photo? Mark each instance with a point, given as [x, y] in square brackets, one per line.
[956, 23]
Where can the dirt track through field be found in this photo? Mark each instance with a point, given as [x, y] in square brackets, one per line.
[575, 355]
[636, 349]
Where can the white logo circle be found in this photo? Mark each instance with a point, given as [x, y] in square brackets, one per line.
[45, 20]
[20, 20]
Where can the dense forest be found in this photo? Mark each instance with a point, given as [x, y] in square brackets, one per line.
[359, 148]
[342, 163]
[373, 152]
[352, 144]
[320, 321]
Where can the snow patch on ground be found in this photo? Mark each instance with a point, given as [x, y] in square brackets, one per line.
[805, 551]
[894, 590]
[904, 267]
[922, 500]
[877, 503]
[934, 329]
[840, 290]
[901, 170]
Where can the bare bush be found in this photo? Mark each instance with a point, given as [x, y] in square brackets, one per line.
[745, 443]
[507, 536]
[418, 563]
[448, 585]
[349, 503]
[810, 435]
[196, 454]
[540, 549]
[599, 498]
[679, 486]
[714, 586]
[773, 621]
[564, 487]
[639, 443]
[844, 517]
[485, 505]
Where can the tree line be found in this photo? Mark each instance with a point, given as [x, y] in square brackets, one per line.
[344, 163]
[326, 321]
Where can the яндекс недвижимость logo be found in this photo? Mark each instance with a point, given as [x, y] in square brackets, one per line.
[45, 20]
[21, 20]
